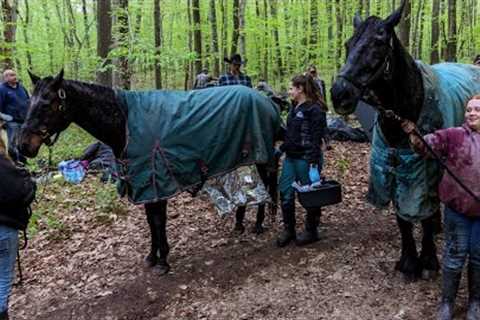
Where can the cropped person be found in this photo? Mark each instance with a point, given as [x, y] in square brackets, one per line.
[460, 146]
[17, 191]
[306, 126]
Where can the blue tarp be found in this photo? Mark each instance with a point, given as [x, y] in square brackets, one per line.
[400, 175]
[176, 139]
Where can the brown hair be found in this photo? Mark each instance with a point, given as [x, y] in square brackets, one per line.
[310, 89]
[475, 97]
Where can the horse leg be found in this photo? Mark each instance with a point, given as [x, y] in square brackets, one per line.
[157, 221]
[409, 263]
[428, 256]
[239, 217]
[269, 179]
[437, 222]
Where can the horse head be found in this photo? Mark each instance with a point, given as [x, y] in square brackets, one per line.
[369, 60]
[47, 115]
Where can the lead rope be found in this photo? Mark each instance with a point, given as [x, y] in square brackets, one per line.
[25, 242]
[390, 114]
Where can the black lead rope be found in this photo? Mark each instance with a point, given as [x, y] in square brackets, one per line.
[392, 115]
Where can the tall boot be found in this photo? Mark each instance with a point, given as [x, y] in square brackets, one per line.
[310, 234]
[288, 234]
[473, 312]
[450, 283]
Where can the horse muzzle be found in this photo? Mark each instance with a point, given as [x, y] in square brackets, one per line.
[29, 144]
[345, 96]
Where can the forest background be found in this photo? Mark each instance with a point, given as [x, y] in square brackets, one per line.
[143, 44]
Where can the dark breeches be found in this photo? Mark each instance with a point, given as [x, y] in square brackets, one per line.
[411, 265]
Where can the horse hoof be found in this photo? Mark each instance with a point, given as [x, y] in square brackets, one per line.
[162, 269]
[258, 230]
[429, 274]
[239, 229]
[150, 260]
[410, 266]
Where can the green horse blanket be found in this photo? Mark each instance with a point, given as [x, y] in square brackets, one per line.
[178, 139]
[405, 178]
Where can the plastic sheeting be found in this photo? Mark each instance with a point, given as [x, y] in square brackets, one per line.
[177, 139]
[242, 187]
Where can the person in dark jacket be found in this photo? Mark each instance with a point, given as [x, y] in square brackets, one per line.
[306, 126]
[14, 100]
[17, 191]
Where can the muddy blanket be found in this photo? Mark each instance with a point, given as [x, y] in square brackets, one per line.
[178, 139]
[402, 176]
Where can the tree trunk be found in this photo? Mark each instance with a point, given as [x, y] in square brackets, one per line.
[276, 37]
[404, 27]
[26, 37]
[452, 31]
[241, 27]
[157, 18]
[9, 15]
[104, 41]
[313, 48]
[122, 74]
[416, 45]
[188, 67]
[434, 55]
[223, 7]
[86, 25]
[215, 53]
[236, 26]
[266, 35]
[339, 15]
[197, 36]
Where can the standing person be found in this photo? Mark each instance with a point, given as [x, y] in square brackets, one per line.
[476, 61]
[14, 101]
[17, 191]
[312, 71]
[306, 124]
[234, 75]
[202, 80]
[460, 146]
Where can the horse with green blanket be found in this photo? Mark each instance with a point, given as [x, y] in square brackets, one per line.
[166, 142]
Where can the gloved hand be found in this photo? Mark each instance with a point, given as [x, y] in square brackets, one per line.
[313, 173]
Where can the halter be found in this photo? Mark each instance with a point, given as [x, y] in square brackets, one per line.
[44, 134]
[385, 71]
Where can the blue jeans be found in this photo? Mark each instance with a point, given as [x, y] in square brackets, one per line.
[462, 240]
[8, 254]
[293, 170]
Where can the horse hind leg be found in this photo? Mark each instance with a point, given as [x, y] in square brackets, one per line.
[409, 264]
[157, 221]
[428, 256]
[239, 217]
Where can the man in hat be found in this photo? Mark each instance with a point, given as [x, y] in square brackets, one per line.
[234, 75]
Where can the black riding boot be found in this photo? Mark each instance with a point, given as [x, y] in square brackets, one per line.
[450, 282]
[4, 315]
[310, 234]
[288, 234]
[473, 312]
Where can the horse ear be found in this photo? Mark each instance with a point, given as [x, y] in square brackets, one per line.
[57, 81]
[33, 77]
[357, 20]
[394, 18]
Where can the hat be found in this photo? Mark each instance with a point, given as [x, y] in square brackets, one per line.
[235, 59]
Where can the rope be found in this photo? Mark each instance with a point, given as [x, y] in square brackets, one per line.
[392, 115]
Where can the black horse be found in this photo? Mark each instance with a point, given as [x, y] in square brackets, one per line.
[379, 70]
[56, 103]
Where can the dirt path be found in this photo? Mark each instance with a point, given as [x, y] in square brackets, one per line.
[96, 273]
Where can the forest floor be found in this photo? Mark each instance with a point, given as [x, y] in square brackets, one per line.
[84, 261]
